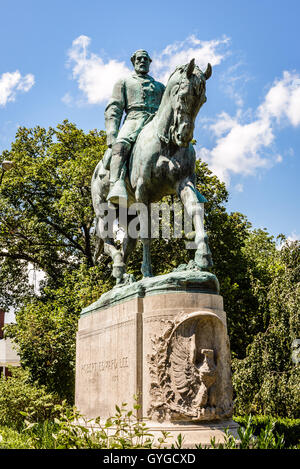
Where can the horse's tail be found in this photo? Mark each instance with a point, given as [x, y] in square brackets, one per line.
[99, 190]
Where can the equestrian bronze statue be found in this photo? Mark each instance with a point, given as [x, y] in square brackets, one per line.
[148, 158]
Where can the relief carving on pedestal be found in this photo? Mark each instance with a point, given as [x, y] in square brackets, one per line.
[190, 370]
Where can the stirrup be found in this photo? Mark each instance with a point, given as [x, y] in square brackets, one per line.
[118, 194]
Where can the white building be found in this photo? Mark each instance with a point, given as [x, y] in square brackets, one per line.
[8, 356]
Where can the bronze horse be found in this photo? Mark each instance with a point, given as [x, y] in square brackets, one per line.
[162, 163]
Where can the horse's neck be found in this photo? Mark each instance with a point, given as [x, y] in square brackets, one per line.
[164, 117]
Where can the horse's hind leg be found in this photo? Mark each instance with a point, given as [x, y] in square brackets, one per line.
[194, 210]
[111, 250]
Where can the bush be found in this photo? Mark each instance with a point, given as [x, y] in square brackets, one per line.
[124, 431]
[20, 399]
[288, 428]
[45, 337]
[11, 439]
[266, 439]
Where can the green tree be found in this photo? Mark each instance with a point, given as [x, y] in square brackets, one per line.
[46, 214]
[266, 380]
[46, 221]
[245, 282]
[46, 326]
[242, 262]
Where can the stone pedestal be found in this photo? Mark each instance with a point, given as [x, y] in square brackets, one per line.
[165, 341]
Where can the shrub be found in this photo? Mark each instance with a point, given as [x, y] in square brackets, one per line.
[288, 428]
[122, 431]
[11, 439]
[266, 439]
[20, 399]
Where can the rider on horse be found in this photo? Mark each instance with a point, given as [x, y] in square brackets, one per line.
[139, 95]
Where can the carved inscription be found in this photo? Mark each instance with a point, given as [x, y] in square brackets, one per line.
[96, 368]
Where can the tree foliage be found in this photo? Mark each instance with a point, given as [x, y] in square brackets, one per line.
[46, 221]
[266, 380]
[45, 331]
[45, 205]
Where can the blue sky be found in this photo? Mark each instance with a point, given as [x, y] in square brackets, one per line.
[59, 60]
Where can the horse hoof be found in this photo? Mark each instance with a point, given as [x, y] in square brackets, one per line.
[204, 262]
[146, 273]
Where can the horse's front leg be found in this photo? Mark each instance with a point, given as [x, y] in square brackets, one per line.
[146, 265]
[195, 211]
[129, 242]
[145, 234]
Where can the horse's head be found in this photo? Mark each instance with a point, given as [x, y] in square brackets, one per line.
[187, 94]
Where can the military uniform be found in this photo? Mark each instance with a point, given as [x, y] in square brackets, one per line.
[140, 97]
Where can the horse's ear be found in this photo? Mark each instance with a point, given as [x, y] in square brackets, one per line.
[208, 72]
[190, 68]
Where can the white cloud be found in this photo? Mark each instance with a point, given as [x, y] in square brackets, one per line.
[289, 239]
[283, 99]
[293, 236]
[234, 80]
[242, 147]
[95, 77]
[290, 152]
[238, 146]
[178, 53]
[224, 124]
[239, 187]
[11, 83]
[67, 99]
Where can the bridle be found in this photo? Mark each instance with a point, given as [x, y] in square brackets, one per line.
[178, 107]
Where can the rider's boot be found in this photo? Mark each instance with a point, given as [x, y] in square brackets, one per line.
[117, 189]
